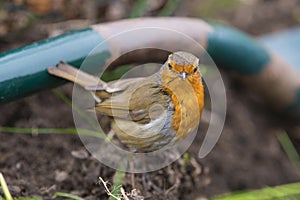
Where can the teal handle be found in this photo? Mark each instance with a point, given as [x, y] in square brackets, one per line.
[235, 51]
[23, 71]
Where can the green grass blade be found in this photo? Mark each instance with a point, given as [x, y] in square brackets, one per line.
[282, 192]
[4, 187]
[66, 195]
[138, 8]
[169, 8]
[53, 131]
[289, 148]
[208, 9]
[117, 184]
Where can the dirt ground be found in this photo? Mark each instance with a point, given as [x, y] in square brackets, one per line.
[247, 156]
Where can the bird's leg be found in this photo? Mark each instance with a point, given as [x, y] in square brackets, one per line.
[145, 178]
[131, 167]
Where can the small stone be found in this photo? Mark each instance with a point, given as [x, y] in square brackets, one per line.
[60, 175]
[80, 154]
[18, 165]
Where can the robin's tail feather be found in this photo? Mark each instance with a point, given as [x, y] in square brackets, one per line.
[75, 75]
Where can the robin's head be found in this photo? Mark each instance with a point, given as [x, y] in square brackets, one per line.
[183, 64]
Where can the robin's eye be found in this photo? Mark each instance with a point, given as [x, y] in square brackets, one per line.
[195, 69]
[170, 66]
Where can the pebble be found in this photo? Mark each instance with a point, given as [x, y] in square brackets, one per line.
[80, 154]
[60, 176]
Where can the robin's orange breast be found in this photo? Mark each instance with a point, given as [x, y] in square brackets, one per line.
[187, 99]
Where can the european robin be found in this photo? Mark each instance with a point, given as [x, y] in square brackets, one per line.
[148, 113]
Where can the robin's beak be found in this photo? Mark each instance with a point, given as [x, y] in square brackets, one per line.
[183, 75]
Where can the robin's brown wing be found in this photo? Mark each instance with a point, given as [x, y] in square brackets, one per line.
[105, 91]
[114, 86]
[141, 101]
